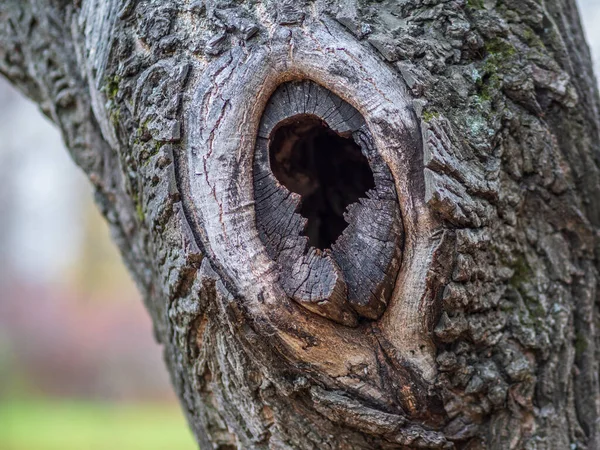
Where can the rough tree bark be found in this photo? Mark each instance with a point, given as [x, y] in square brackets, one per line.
[459, 306]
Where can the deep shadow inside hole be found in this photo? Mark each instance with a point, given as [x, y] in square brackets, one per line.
[329, 172]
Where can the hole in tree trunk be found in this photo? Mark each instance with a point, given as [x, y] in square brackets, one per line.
[326, 169]
[306, 178]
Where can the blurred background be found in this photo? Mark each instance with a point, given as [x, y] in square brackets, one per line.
[79, 368]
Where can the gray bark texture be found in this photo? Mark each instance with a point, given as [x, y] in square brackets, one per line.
[458, 309]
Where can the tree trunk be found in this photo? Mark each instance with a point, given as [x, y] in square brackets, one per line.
[356, 224]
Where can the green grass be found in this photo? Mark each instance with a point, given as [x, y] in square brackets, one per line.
[66, 425]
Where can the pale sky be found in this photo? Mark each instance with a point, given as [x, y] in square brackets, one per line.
[590, 14]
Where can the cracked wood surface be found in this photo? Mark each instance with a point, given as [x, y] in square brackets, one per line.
[358, 273]
[480, 118]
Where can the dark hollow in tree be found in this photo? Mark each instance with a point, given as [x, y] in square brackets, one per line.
[326, 204]
[328, 170]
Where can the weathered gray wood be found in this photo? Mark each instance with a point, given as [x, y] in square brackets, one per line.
[479, 322]
[358, 273]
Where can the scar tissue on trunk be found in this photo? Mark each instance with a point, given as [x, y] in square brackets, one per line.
[326, 204]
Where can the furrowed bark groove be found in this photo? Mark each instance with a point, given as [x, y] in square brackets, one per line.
[443, 296]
